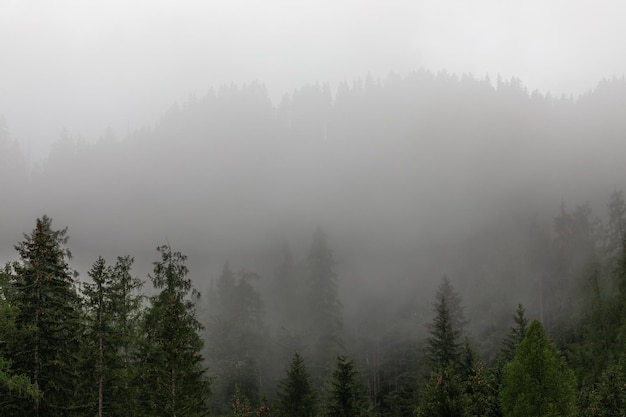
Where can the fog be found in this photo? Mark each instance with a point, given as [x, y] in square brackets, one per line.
[425, 138]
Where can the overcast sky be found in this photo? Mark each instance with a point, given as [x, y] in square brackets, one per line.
[86, 65]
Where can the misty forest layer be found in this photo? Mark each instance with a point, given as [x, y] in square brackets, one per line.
[424, 245]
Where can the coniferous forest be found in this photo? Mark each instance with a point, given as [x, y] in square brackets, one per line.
[422, 245]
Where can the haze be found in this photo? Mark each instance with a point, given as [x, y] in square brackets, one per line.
[87, 66]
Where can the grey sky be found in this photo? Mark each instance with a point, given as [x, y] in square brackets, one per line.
[86, 65]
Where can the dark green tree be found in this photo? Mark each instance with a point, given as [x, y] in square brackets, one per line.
[346, 396]
[173, 379]
[12, 385]
[537, 382]
[444, 395]
[48, 321]
[295, 395]
[112, 307]
[609, 396]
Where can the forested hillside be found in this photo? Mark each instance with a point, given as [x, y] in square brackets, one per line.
[426, 244]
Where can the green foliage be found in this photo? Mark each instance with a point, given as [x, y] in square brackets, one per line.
[608, 397]
[11, 384]
[112, 310]
[537, 382]
[295, 393]
[345, 396]
[172, 375]
[48, 322]
[443, 396]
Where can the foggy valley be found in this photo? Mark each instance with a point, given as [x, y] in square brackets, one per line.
[403, 234]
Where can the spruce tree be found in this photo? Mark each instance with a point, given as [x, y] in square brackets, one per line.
[49, 322]
[172, 378]
[346, 396]
[12, 385]
[445, 392]
[112, 310]
[295, 393]
[515, 336]
[443, 346]
[537, 382]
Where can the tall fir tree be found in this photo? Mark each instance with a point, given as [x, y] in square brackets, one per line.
[296, 396]
[112, 311]
[49, 320]
[443, 345]
[445, 391]
[173, 379]
[346, 396]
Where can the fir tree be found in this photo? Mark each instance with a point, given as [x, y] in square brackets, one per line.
[172, 375]
[346, 396]
[295, 393]
[515, 336]
[443, 347]
[12, 385]
[112, 309]
[49, 322]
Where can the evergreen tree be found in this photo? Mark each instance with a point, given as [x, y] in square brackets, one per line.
[537, 382]
[326, 324]
[346, 396]
[443, 346]
[172, 375]
[235, 339]
[609, 398]
[112, 311]
[515, 336]
[444, 395]
[11, 384]
[295, 393]
[48, 321]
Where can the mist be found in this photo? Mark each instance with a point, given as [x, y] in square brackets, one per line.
[420, 142]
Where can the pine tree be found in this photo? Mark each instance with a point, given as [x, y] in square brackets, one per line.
[295, 393]
[537, 382]
[49, 322]
[172, 375]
